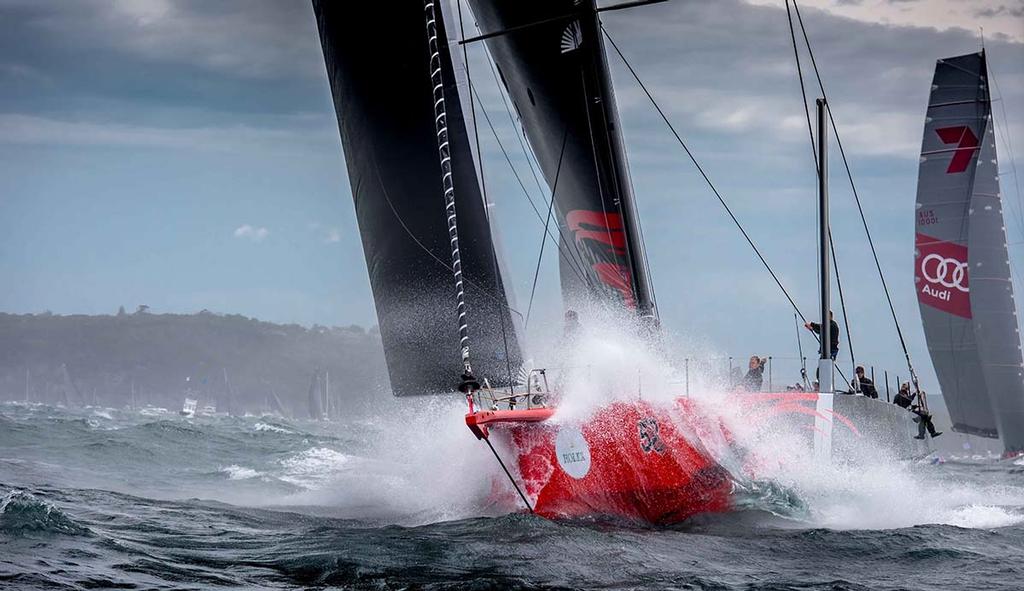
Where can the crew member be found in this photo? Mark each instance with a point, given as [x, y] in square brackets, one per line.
[572, 324]
[924, 419]
[754, 379]
[833, 332]
[867, 385]
[904, 397]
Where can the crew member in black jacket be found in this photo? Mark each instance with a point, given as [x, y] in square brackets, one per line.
[833, 332]
[867, 386]
[904, 398]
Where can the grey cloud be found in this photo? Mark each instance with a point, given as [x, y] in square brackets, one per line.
[1001, 10]
[187, 63]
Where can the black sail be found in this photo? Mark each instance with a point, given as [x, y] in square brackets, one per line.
[551, 59]
[378, 65]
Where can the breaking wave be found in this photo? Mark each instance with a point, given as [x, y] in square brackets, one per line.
[22, 513]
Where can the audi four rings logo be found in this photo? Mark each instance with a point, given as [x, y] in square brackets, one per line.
[946, 271]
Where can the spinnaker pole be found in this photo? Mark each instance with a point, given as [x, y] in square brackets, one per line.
[469, 382]
[826, 366]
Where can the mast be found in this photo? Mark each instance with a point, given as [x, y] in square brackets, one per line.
[228, 393]
[826, 366]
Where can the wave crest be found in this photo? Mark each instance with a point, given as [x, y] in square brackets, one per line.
[23, 513]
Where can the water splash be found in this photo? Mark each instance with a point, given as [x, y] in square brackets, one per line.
[780, 475]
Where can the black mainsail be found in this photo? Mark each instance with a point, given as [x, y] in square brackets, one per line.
[551, 59]
[961, 263]
[379, 68]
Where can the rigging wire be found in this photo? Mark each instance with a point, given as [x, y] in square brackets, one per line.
[520, 135]
[1007, 140]
[810, 130]
[582, 276]
[547, 222]
[800, 350]
[842, 305]
[707, 179]
[512, 120]
[856, 196]
[818, 172]
[710, 184]
[509, 474]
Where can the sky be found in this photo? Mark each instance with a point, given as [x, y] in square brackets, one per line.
[185, 155]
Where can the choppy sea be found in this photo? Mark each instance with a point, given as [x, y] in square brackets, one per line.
[100, 498]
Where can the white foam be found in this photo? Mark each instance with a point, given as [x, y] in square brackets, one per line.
[271, 428]
[418, 464]
[240, 472]
[313, 467]
[983, 517]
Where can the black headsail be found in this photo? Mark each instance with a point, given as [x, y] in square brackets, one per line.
[379, 68]
[551, 58]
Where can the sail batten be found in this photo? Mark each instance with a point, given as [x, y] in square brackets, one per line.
[961, 263]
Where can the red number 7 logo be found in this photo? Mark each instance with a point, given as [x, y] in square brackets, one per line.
[966, 144]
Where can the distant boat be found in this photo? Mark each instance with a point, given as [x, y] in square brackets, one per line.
[70, 395]
[315, 397]
[209, 409]
[961, 261]
[188, 409]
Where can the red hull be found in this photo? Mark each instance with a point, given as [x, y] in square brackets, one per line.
[631, 460]
[662, 463]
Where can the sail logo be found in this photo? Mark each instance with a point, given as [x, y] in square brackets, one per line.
[572, 37]
[936, 269]
[601, 234]
[941, 275]
[966, 145]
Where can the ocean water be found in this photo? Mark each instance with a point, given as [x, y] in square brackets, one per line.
[401, 499]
